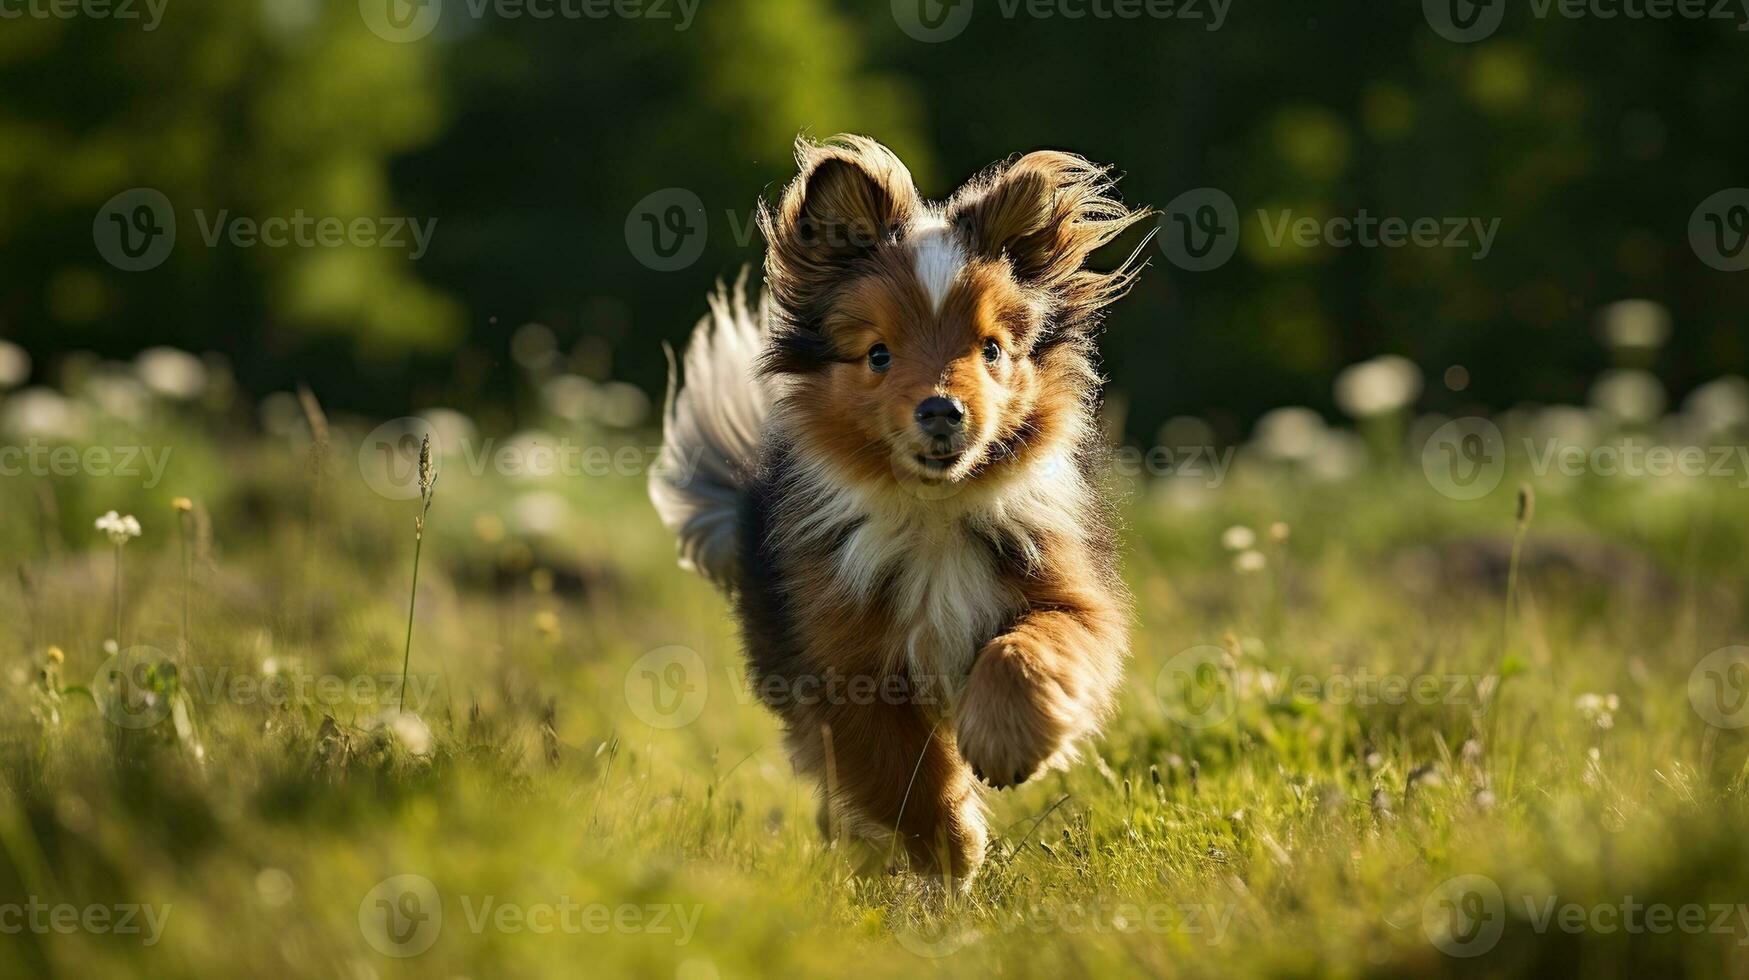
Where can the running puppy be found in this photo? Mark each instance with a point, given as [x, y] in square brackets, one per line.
[896, 481]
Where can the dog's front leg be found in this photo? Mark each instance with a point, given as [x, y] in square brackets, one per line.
[887, 764]
[1043, 684]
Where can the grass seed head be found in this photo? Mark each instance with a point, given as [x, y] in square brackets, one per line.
[427, 471]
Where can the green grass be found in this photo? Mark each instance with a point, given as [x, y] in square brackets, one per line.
[1296, 828]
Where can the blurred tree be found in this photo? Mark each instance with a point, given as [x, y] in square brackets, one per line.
[533, 141]
[231, 111]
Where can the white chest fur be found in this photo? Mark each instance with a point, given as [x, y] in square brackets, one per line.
[930, 559]
[947, 598]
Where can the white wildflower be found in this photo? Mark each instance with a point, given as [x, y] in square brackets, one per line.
[1634, 323]
[1629, 395]
[411, 731]
[120, 529]
[1238, 538]
[14, 365]
[1719, 406]
[171, 373]
[1599, 709]
[1378, 387]
[1289, 434]
[1247, 562]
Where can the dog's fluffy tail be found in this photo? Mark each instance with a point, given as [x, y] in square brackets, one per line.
[710, 434]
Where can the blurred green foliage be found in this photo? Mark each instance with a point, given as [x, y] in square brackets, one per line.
[530, 141]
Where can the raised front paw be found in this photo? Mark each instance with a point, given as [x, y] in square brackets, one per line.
[1015, 715]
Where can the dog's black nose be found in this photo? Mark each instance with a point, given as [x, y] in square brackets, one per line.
[940, 417]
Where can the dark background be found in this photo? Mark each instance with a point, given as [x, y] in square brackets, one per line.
[531, 141]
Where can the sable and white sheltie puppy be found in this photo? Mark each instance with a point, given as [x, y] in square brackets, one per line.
[895, 462]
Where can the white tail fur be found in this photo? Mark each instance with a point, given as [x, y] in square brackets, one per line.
[710, 434]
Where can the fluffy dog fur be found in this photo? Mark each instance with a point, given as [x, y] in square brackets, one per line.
[926, 604]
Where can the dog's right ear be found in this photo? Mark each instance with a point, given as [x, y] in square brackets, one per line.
[851, 195]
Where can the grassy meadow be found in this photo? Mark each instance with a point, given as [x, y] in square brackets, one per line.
[1370, 728]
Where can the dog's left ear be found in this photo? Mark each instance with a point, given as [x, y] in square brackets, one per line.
[1045, 214]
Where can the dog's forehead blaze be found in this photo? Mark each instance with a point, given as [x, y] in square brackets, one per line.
[891, 304]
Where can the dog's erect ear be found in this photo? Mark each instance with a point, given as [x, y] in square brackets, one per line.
[1045, 213]
[851, 194]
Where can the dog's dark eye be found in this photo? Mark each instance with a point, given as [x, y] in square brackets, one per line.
[879, 358]
[992, 351]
